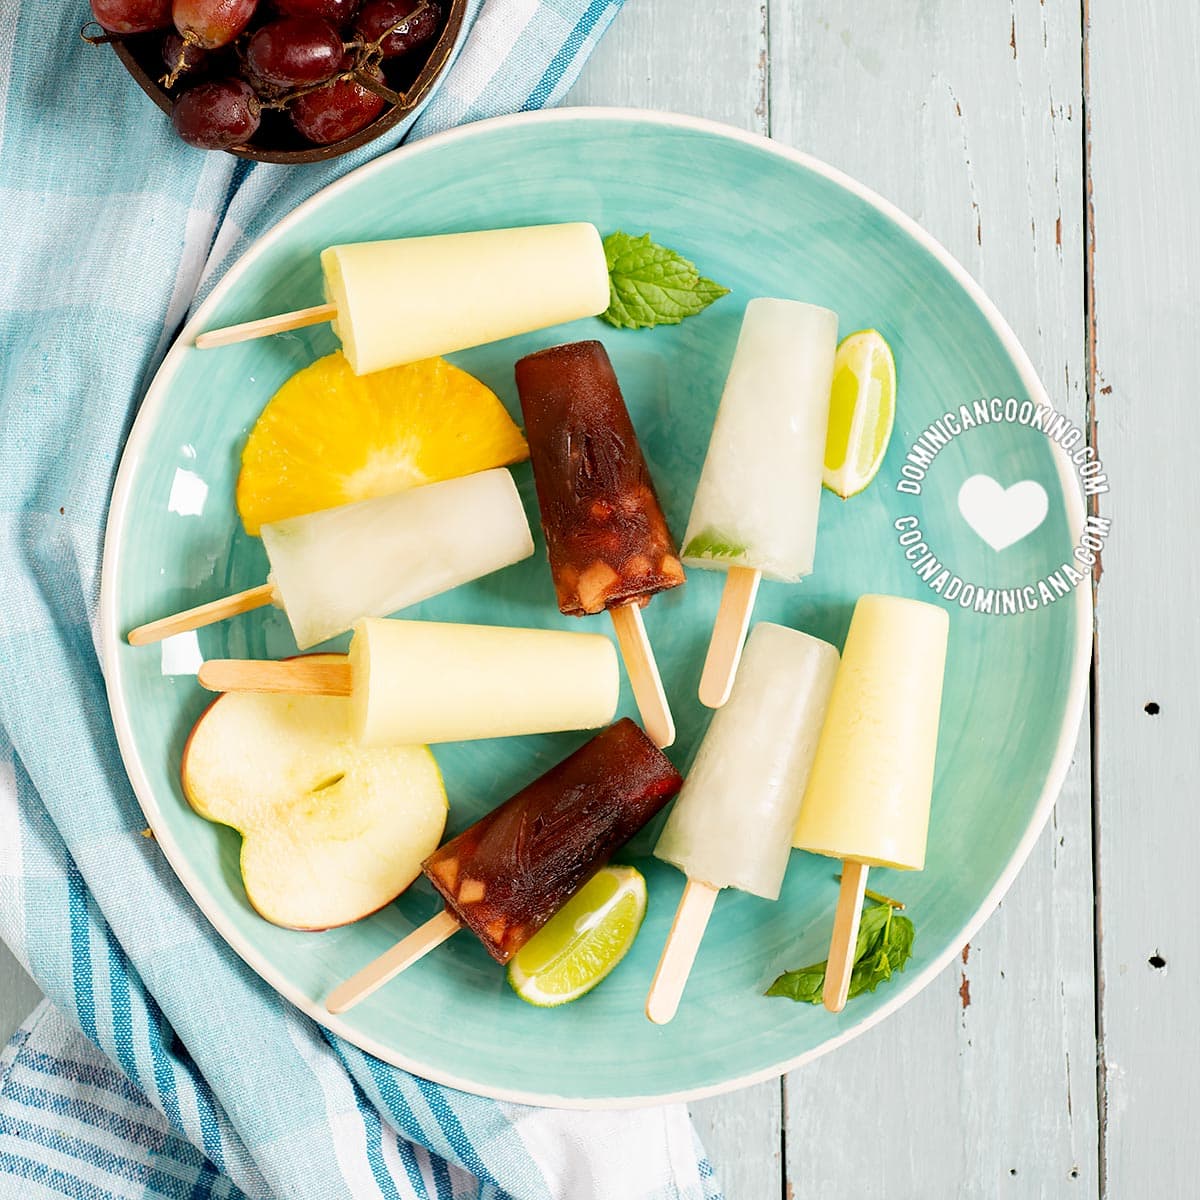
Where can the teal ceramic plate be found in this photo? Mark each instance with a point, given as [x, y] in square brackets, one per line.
[763, 220]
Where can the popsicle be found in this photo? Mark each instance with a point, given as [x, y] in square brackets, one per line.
[606, 536]
[394, 302]
[418, 682]
[732, 824]
[755, 509]
[510, 872]
[868, 796]
[374, 557]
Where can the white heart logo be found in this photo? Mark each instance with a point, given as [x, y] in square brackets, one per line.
[1002, 516]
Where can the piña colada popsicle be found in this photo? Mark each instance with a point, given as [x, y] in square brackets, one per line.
[755, 510]
[868, 796]
[416, 682]
[394, 302]
[732, 824]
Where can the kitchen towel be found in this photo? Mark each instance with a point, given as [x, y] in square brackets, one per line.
[161, 1065]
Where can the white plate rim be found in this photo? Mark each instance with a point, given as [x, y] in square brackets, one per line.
[110, 636]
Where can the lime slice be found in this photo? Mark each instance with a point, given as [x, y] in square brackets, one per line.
[862, 410]
[583, 941]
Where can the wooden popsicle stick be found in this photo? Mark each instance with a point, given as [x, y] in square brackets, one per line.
[845, 935]
[389, 964]
[675, 965]
[728, 635]
[203, 614]
[293, 676]
[643, 674]
[265, 326]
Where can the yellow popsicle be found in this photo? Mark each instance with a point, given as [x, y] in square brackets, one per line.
[869, 792]
[411, 298]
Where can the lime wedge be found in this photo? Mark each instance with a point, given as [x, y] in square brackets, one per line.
[862, 409]
[583, 941]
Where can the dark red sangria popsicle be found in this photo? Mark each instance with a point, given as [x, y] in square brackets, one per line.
[606, 536]
[505, 876]
[510, 872]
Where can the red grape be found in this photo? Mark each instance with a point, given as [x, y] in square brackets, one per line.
[336, 111]
[179, 56]
[295, 51]
[212, 23]
[337, 11]
[216, 115]
[132, 16]
[378, 16]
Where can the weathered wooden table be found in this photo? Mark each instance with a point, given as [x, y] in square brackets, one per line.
[1049, 144]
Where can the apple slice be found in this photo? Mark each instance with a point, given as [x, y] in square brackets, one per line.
[331, 831]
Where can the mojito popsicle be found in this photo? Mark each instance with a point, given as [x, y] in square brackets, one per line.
[755, 510]
[375, 557]
[732, 824]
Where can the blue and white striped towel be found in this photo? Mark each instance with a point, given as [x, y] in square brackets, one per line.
[162, 1065]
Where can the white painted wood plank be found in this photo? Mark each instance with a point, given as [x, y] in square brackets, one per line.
[18, 994]
[742, 1132]
[683, 57]
[984, 1085]
[969, 117]
[1145, 176]
[679, 56]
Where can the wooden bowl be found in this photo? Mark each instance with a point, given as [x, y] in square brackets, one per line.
[276, 141]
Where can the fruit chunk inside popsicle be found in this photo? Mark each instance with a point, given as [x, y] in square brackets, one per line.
[511, 871]
[606, 535]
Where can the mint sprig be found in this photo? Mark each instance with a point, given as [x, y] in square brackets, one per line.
[709, 543]
[884, 946]
[650, 285]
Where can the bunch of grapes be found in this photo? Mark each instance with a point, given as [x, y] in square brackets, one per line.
[322, 65]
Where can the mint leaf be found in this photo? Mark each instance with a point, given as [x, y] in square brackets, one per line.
[803, 985]
[711, 544]
[652, 285]
[884, 945]
[903, 936]
[892, 953]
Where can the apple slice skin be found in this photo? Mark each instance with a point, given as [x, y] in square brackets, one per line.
[331, 831]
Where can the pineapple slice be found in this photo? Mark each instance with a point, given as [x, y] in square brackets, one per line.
[331, 437]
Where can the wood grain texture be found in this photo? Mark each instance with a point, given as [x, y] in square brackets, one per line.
[985, 1083]
[970, 118]
[679, 56]
[1145, 175]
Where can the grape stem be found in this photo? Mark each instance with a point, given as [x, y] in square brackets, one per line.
[186, 40]
[401, 26]
[879, 897]
[371, 54]
[371, 84]
[101, 38]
